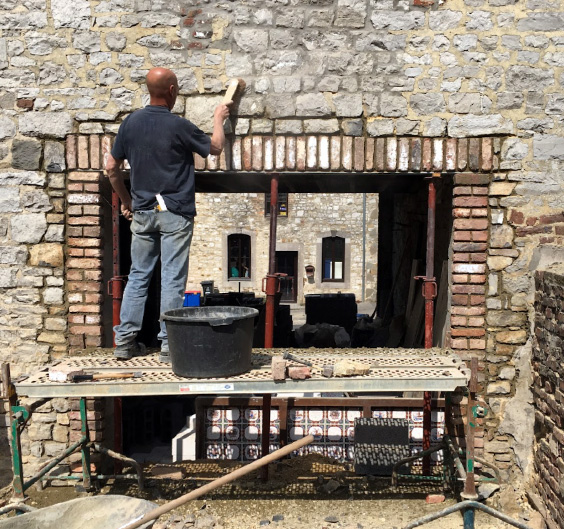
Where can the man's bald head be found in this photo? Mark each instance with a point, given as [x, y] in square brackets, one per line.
[163, 86]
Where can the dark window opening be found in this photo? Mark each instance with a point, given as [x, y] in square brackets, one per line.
[281, 205]
[333, 255]
[239, 256]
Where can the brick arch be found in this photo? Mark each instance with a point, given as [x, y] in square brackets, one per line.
[470, 160]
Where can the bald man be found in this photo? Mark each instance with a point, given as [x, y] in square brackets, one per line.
[159, 147]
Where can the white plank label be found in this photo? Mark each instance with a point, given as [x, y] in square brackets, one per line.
[198, 388]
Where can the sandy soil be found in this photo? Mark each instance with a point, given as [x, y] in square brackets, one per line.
[302, 493]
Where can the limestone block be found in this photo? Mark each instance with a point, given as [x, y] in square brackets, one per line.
[380, 127]
[243, 126]
[75, 14]
[523, 77]
[285, 85]
[8, 278]
[473, 125]
[288, 126]
[53, 296]
[7, 128]
[28, 227]
[514, 149]
[251, 40]
[507, 373]
[435, 127]
[321, 126]
[501, 188]
[312, 105]
[51, 73]
[13, 254]
[238, 65]
[87, 41]
[542, 22]
[199, 110]
[555, 104]
[54, 157]
[60, 433]
[262, 126]
[116, 41]
[497, 262]
[55, 233]
[109, 76]
[47, 254]
[509, 100]
[36, 201]
[426, 104]
[122, 97]
[506, 318]
[393, 105]
[54, 124]
[498, 388]
[398, 21]
[511, 337]
[9, 200]
[348, 104]
[40, 431]
[548, 147]
[187, 82]
[16, 77]
[352, 127]
[26, 154]
[445, 19]
[501, 236]
[53, 448]
[350, 14]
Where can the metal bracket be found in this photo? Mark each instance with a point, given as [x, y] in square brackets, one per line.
[429, 287]
[110, 285]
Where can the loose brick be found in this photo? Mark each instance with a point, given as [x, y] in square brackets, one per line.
[369, 154]
[291, 151]
[380, 154]
[280, 152]
[335, 153]
[470, 202]
[247, 153]
[347, 153]
[301, 153]
[257, 161]
[85, 176]
[403, 155]
[469, 331]
[359, 154]
[416, 149]
[427, 157]
[311, 153]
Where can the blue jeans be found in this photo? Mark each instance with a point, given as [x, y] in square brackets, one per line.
[154, 233]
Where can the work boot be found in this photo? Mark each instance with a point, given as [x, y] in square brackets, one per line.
[129, 350]
[164, 355]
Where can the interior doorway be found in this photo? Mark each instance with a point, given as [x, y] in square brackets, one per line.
[287, 263]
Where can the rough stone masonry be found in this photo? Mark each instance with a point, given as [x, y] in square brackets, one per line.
[354, 69]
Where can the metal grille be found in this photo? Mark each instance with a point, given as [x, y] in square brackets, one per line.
[397, 370]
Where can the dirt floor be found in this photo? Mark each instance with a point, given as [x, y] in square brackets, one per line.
[311, 492]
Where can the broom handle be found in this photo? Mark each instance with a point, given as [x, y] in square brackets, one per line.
[232, 476]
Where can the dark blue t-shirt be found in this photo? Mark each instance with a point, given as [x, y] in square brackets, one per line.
[158, 146]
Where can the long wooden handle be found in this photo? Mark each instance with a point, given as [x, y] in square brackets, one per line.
[232, 476]
[101, 376]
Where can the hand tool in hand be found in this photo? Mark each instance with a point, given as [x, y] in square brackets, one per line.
[290, 356]
[80, 376]
[232, 88]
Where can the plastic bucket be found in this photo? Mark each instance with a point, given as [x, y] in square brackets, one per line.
[209, 342]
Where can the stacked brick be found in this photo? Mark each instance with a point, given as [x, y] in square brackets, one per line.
[84, 241]
[353, 154]
[548, 390]
[470, 243]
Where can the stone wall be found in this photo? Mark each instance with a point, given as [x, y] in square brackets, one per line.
[548, 390]
[352, 69]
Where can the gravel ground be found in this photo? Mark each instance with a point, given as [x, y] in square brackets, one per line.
[302, 493]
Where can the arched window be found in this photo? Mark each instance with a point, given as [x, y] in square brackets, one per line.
[333, 258]
[238, 256]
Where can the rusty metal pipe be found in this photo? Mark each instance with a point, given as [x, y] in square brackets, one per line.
[272, 281]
